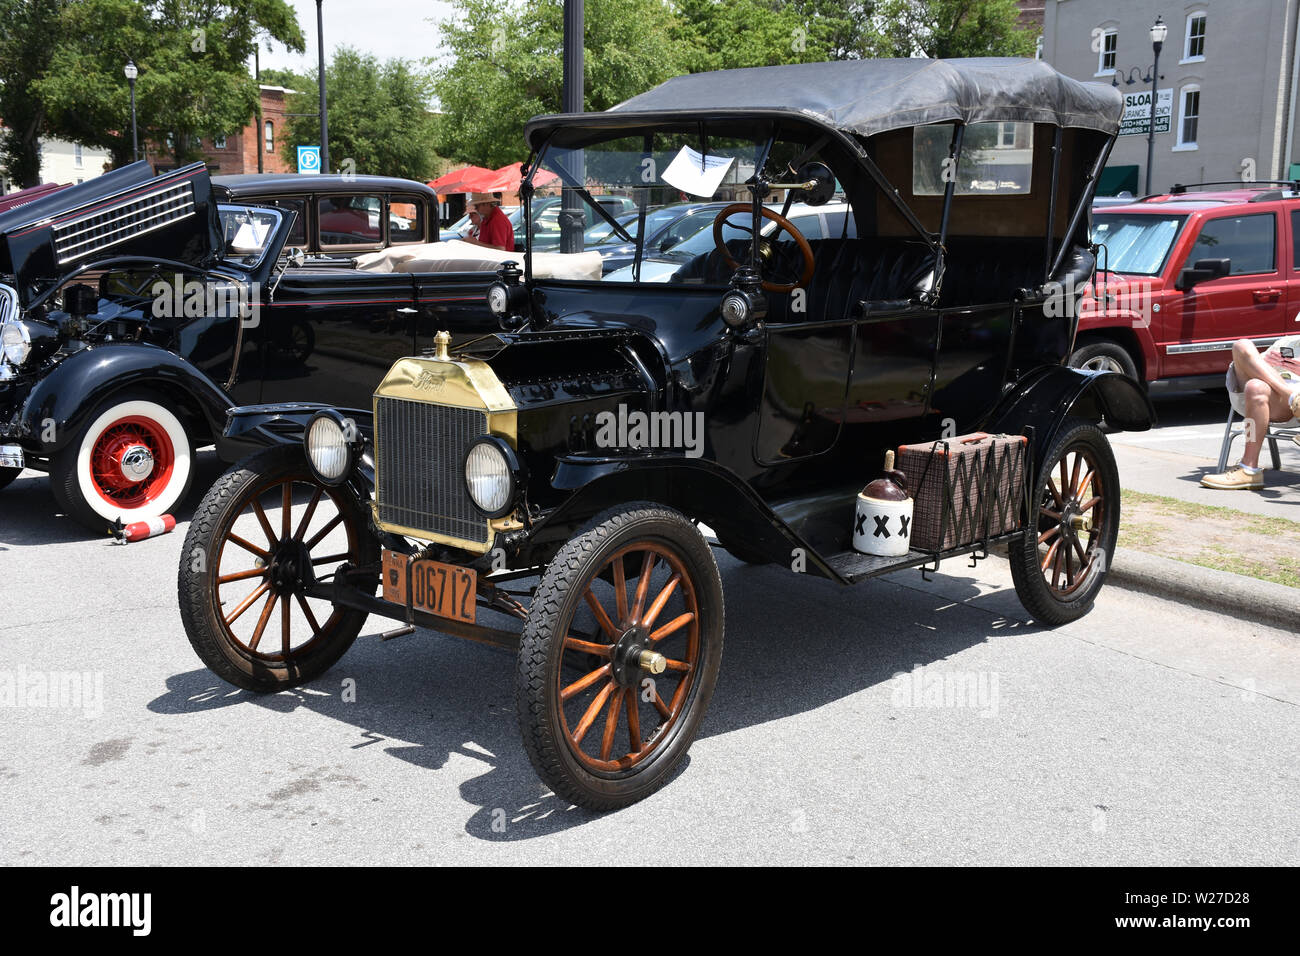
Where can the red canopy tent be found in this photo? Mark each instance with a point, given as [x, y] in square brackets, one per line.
[465, 180]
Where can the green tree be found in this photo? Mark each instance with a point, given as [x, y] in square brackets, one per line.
[192, 56]
[30, 28]
[952, 28]
[503, 65]
[379, 118]
[732, 34]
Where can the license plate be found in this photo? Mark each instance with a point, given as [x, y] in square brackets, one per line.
[444, 590]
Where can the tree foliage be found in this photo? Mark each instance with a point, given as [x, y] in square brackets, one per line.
[30, 29]
[379, 118]
[952, 28]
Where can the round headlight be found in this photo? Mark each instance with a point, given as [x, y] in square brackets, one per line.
[490, 478]
[15, 343]
[328, 449]
[735, 309]
[498, 298]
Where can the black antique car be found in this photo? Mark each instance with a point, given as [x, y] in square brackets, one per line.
[542, 488]
[135, 310]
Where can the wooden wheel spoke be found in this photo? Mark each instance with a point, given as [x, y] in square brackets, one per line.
[1056, 567]
[286, 510]
[643, 585]
[265, 523]
[242, 575]
[602, 617]
[611, 724]
[248, 602]
[588, 647]
[672, 626]
[680, 666]
[1074, 475]
[1056, 495]
[660, 706]
[311, 511]
[248, 546]
[329, 526]
[593, 710]
[632, 704]
[261, 621]
[311, 618]
[1051, 554]
[582, 683]
[285, 609]
[1065, 481]
[1078, 549]
[620, 589]
[330, 557]
[1084, 483]
[1090, 503]
[657, 605]
[1054, 529]
[1049, 513]
[1069, 571]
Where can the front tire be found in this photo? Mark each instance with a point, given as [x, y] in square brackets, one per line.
[583, 680]
[1061, 561]
[131, 460]
[1104, 356]
[7, 475]
[260, 535]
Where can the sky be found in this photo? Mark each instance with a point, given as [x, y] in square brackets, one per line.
[386, 28]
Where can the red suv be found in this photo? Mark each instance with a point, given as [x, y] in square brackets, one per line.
[1187, 274]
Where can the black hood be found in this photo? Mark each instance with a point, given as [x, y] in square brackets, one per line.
[126, 212]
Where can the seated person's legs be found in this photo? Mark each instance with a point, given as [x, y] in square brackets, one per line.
[1268, 397]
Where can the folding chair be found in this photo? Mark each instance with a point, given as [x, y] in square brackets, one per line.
[1276, 430]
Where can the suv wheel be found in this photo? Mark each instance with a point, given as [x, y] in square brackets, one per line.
[619, 657]
[1105, 356]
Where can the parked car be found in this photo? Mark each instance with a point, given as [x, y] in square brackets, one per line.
[341, 215]
[109, 385]
[1186, 274]
[540, 489]
[664, 228]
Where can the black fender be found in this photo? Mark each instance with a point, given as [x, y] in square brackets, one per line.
[700, 489]
[1049, 395]
[72, 389]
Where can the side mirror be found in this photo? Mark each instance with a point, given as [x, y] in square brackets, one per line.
[1203, 271]
[296, 256]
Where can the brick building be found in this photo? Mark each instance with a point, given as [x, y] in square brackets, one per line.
[240, 153]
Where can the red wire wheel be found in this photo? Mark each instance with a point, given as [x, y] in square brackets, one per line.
[263, 533]
[132, 443]
[1062, 561]
[619, 657]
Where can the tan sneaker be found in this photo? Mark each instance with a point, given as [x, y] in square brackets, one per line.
[1233, 478]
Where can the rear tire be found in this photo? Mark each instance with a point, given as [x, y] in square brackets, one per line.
[1059, 568]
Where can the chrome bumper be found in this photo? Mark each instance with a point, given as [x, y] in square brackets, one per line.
[11, 456]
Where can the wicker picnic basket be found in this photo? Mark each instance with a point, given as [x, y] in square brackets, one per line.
[966, 489]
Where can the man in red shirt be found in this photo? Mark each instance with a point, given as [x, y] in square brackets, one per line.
[495, 231]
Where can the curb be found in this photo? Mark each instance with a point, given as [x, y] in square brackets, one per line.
[1246, 598]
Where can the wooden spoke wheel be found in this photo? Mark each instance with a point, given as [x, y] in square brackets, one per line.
[1062, 560]
[619, 657]
[263, 533]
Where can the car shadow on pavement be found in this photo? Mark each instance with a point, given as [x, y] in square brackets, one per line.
[791, 647]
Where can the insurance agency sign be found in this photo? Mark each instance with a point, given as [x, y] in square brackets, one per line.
[1137, 112]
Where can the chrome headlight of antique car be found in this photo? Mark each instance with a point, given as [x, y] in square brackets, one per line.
[491, 475]
[23, 339]
[16, 342]
[331, 443]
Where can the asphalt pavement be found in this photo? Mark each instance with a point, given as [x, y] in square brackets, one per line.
[897, 721]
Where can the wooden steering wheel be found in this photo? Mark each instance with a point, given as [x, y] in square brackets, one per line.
[782, 223]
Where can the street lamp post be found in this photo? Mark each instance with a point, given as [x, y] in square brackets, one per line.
[320, 76]
[131, 73]
[1158, 31]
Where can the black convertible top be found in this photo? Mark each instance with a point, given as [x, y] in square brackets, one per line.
[872, 96]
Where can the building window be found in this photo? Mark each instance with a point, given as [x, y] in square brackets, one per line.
[1194, 44]
[268, 135]
[1189, 116]
[1106, 52]
[219, 143]
[76, 155]
[1006, 136]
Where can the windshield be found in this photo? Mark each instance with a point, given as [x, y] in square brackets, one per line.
[247, 230]
[1136, 244]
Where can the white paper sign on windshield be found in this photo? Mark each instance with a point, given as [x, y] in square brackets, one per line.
[696, 174]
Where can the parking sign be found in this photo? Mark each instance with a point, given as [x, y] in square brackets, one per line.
[309, 159]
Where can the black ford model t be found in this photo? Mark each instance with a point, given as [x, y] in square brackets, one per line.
[555, 474]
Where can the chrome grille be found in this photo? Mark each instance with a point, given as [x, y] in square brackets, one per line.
[419, 467]
[122, 220]
[8, 304]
